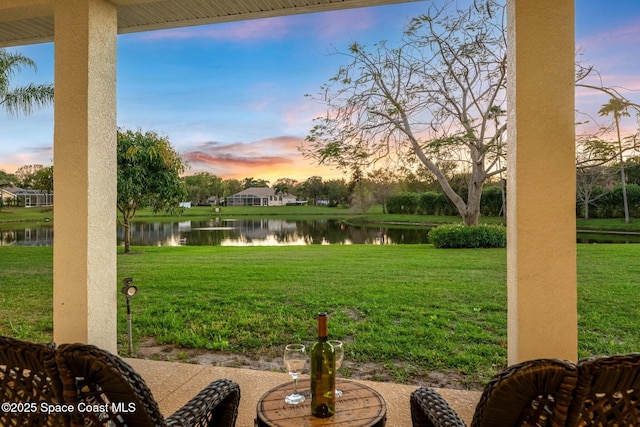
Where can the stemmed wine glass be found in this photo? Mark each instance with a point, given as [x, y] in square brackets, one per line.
[339, 351]
[295, 357]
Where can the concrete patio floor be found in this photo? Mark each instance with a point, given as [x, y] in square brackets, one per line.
[173, 384]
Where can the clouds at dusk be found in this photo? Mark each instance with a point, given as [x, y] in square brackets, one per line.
[245, 155]
[10, 161]
[269, 158]
[609, 47]
[258, 29]
[231, 97]
[322, 25]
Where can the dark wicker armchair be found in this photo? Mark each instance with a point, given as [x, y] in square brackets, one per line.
[28, 379]
[533, 393]
[95, 377]
[608, 392]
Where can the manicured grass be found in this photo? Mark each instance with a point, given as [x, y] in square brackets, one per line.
[609, 299]
[610, 224]
[410, 308]
[26, 292]
[14, 215]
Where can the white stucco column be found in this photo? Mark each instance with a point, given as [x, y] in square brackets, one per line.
[84, 250]
[541, 254]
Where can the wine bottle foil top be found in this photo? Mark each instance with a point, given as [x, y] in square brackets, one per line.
[322, 325]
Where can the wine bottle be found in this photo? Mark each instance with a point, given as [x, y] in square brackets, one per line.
[323, 373]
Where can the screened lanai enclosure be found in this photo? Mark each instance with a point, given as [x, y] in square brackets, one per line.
[27, 198]
[245, 200]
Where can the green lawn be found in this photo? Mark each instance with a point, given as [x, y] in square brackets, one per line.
[410, 308]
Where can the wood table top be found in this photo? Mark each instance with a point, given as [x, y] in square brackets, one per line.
[359, 406]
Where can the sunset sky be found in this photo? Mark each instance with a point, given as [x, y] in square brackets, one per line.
[230, 97]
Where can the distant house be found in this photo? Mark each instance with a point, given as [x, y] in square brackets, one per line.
[28, 198]
[260, 196]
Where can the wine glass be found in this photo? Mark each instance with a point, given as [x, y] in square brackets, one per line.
[295, 357]
[339, 350]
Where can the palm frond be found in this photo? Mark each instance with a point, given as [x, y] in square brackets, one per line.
[24, 99]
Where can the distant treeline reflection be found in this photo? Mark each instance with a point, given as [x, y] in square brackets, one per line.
[265, 232]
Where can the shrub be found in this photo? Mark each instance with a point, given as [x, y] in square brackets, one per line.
[445, 206]
[428, 203]
[475, 236]
[491, 202]
[432, 203]
[403, 203]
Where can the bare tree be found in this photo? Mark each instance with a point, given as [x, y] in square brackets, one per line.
[361, 198]
[382, 184]
[590, 181]
[593, 174]
[438, 97]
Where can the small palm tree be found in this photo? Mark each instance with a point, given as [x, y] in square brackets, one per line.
[619, 108]
[20, 99]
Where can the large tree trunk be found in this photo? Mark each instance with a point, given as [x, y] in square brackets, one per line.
[586, 210]
[471, 215]
[623, 180]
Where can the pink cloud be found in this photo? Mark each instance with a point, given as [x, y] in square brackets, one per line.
[28, 156]
[325, 25]
[258, 29]
[304, 112]
[272, 151]
[612, 54]
[332, 24]
[269, 158]
[626, 34]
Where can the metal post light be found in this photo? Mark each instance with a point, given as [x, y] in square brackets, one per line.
[129, 291]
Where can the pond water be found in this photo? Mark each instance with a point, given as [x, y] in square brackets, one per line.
[265, 232]
[268, 232]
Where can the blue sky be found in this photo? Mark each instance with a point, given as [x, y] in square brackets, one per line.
[230, 97]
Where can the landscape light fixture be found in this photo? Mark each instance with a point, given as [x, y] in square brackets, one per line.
[129, 291]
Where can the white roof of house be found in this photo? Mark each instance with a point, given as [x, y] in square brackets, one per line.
[258, 192]
[21, 191]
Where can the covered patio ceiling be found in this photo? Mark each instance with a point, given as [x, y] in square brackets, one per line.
[31, 21]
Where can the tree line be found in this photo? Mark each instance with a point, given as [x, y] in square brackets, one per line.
[598, 191]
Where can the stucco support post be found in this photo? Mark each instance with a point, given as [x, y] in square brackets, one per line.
[84, 250]
[541, 254]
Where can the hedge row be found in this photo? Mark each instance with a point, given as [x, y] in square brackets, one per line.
[432, 203]
[475, 236]
[609, 203]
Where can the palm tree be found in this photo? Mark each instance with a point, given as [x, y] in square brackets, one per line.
[20, 99]
[619, 108]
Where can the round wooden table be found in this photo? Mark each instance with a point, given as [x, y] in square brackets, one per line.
[359, 406]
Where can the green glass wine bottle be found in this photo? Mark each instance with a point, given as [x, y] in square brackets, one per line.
[323, 373]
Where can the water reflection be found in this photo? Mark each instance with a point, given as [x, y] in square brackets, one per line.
[262, 232]
[31, 236]
[266, 232]
[236, 232]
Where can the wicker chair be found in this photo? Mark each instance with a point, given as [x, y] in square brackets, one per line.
[28, 379]
[95, 377]
[608, 392]
[533, 393]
